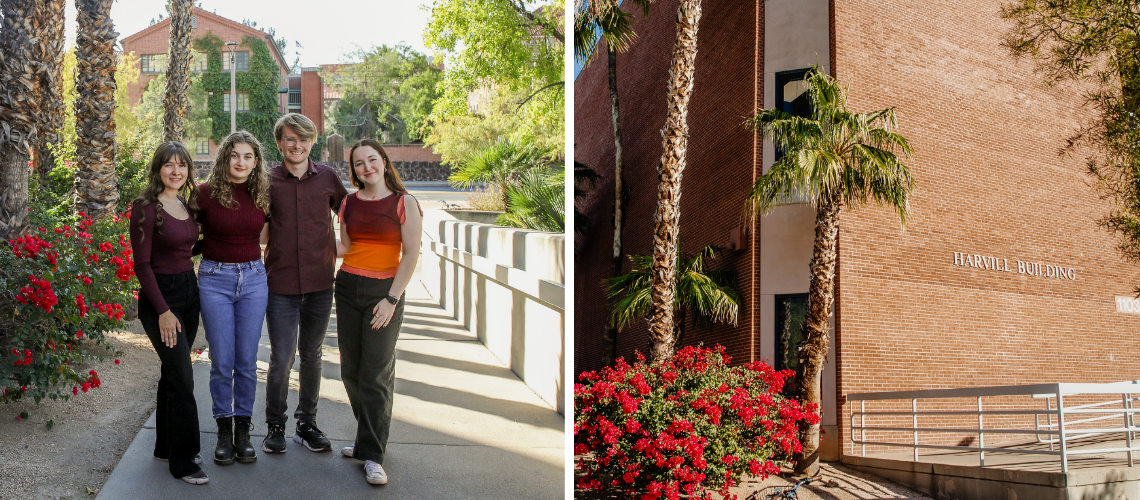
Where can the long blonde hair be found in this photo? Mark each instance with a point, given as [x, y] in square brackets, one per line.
[221, 188]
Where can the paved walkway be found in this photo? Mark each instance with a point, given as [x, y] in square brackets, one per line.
[463, 426]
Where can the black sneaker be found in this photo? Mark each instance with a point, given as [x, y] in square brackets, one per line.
[311, 437]
[275, 439]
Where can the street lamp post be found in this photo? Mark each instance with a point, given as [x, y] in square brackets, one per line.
[233, 86]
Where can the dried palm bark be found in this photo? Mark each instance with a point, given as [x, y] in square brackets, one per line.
[19, 112]
[48, 24]
[95, 181]
[675, 137]
[177, 72]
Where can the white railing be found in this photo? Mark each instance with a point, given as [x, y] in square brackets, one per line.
[1059, 430]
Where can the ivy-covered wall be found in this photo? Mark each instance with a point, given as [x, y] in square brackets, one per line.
[261, 81]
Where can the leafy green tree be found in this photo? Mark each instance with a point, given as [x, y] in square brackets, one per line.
[835, 160]
[709, 295]
[148, 113]
[388, 93]
[500, 47]
[1097, 42]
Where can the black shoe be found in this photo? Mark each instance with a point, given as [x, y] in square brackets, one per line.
[311, 437]
[224, 453]
[274, 439]
[242, 447]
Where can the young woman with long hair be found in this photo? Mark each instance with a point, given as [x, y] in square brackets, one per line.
[380, 242]
[234, 209]
[163, 232]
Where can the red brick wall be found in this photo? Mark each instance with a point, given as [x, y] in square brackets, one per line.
[990, 182]
[403, 152]
[312, 99]
[720, 167]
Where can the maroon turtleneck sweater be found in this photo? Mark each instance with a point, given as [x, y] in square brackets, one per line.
[231, 234]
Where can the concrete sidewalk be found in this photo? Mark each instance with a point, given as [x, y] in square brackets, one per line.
[463, 426]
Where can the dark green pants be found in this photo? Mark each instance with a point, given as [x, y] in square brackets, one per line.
[367, 359]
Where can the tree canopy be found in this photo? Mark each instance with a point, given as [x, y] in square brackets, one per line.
[388, 93]
[1096, 41]
[498, 48]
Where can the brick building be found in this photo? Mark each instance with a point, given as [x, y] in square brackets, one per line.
[298, 93]
[912, 312]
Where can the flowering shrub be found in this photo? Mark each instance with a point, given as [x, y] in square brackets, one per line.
[691, 425]
[60, 289]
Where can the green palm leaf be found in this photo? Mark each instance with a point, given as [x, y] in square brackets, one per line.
[709, 294]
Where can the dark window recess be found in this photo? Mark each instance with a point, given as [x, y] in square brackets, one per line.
[791, 310]
[791, 96]
[294, 98]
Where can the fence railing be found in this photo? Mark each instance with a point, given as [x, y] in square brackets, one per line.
[1099, 404]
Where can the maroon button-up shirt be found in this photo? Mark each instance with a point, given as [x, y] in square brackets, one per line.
[302, 247]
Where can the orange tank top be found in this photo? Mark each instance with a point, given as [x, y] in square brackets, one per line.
[373, 228]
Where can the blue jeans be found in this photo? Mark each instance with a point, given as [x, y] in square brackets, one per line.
[233, 299]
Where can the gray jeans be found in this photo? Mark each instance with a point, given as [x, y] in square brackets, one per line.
[297, 323]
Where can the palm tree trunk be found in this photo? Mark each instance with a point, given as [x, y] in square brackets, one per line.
[813, 348]
[609, 342]
[49, 54]
[95, 181]
[676, 135]
[177, 72]
[19, 113]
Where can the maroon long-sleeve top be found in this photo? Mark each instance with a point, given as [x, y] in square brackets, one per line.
[231, 234]
[163, 250]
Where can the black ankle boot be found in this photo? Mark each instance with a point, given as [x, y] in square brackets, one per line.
[242, 447]
[224, 453]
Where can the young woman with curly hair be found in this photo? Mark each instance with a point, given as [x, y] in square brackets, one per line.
[234, 212]
[163, 233]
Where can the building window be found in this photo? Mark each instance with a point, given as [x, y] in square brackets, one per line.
[242, 102]
[198, 61]
[791, 96]
[154, 63]
[294, 98]
[790, 313]
[201, 146]
[193, 23]
[242, 60]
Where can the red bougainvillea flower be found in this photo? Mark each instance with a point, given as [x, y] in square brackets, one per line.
[116, 361]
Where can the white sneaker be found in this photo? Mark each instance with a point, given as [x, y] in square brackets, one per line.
[348, 450]
[374, 473]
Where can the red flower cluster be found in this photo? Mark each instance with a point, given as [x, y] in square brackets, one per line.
[126, 267]
[25, 360]
[113, 311]
[690, 426]
[40, 294]
[29, 247]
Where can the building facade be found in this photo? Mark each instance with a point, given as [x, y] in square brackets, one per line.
[1002, 275]
[299, 93]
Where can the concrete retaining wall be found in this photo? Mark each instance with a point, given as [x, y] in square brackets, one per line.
[506, 285]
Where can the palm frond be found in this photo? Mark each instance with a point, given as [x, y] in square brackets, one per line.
[709, 294]
[499, 163]
[537, 200]
[834, 154]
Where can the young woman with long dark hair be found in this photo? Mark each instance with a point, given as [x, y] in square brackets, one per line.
[163, 232]
[380, 242]
[234, 292]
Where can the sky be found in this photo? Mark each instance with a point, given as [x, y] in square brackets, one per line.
[326, 30]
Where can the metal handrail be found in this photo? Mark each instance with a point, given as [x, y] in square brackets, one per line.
[1062, 432]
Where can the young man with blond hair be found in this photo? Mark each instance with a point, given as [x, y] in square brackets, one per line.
[299, 262]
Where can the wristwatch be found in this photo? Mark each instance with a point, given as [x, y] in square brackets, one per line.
[392, 299]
